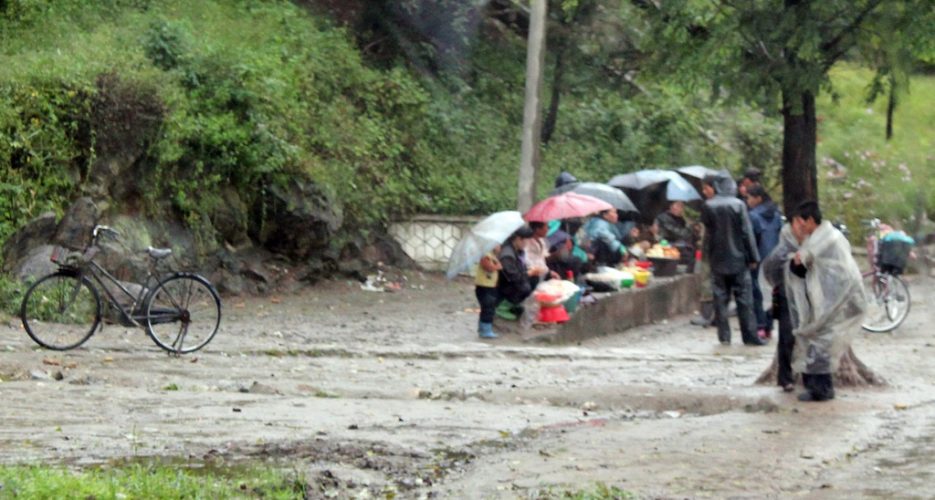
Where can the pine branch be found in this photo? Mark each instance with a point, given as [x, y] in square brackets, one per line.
[831, 48]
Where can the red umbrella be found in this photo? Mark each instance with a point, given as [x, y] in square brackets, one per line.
[566, 206]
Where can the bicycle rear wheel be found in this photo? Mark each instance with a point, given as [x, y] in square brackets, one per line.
[61, 311]
[888, 303]
[183, 313]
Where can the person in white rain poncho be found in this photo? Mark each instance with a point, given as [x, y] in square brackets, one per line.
[826, 299]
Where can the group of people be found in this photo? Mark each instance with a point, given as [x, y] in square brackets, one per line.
[798, 273]
[813, 283]
[568, 249]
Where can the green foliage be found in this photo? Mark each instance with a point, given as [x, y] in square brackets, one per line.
[165, 44]
[245, 96]
[147, 481]
[43, 150]
[11, 295]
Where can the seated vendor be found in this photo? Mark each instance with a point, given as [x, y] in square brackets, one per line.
[537, 251]
[562, 259]
[675, 228]
[513, 283]
[604, 239]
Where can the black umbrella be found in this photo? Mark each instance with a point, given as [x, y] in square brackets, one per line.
[696, 173]
[610, 194]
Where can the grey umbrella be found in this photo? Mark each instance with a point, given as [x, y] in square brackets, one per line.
[610, 194]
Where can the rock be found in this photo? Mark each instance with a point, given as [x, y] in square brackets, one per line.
[34, 264]
[296, 219]
[230, 218]
[258, 388]
[36, 233]
[39, 375]
[74, 230]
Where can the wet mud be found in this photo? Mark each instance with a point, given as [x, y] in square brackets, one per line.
[393, 393]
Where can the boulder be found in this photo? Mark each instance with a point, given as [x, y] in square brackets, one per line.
[74, 230]
[230, 218]
[36, 233]
[296, 219]
[35, 264]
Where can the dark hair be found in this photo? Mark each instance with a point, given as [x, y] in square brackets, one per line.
[536, 225]
[753, 174]
[711, 179]
[758, 191]
[522, 232]
[808, 210]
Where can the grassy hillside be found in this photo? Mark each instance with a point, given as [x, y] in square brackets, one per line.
[191, 101]
[245, 95]
[887, 179]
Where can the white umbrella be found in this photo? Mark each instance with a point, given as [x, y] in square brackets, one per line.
[481, 238]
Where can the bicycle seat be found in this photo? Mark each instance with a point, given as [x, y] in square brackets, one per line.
[158, 253]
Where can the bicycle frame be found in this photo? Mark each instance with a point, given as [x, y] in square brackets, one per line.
[131, 316]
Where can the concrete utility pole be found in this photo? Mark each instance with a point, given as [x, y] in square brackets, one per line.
[532, 117]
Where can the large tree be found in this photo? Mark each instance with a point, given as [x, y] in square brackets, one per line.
[778, 53]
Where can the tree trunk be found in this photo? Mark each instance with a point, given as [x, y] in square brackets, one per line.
[548, 126]
[890, 110]
[852, 372]
[800, 183]
[799, 137]
[532, 117]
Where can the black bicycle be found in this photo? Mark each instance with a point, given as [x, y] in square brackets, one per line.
[181, 312]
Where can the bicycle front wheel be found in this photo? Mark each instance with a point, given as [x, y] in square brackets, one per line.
[61, 311]
[888, 303]
[183, 313]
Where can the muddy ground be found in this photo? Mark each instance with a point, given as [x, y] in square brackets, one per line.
[366, 393]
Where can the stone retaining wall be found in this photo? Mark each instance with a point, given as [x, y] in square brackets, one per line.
[616, 312]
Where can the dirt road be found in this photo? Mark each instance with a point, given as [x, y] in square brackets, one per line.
[373, 392]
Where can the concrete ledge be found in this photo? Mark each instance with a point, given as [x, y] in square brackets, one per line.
[616, 312]
[664, 298]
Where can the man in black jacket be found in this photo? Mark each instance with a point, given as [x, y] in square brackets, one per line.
[731, 251]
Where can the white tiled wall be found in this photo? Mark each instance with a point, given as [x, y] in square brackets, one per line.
[429, 240]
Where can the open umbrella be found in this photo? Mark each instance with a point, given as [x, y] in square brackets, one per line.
[481, 238]
[639, 180]
[694, 174]
[610, 194]
[652, 190]
[566, 206]
[677, 188]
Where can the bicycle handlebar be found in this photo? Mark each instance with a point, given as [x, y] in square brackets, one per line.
[100, 228]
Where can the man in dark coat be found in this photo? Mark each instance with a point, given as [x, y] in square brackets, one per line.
[731, 250]
[767, 222]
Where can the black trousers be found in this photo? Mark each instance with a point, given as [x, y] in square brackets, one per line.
[488, 298]
[820, 385]
[786, 342]
[741, 286]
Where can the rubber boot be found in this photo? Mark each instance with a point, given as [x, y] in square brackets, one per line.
[486, 331]
[505, 311]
